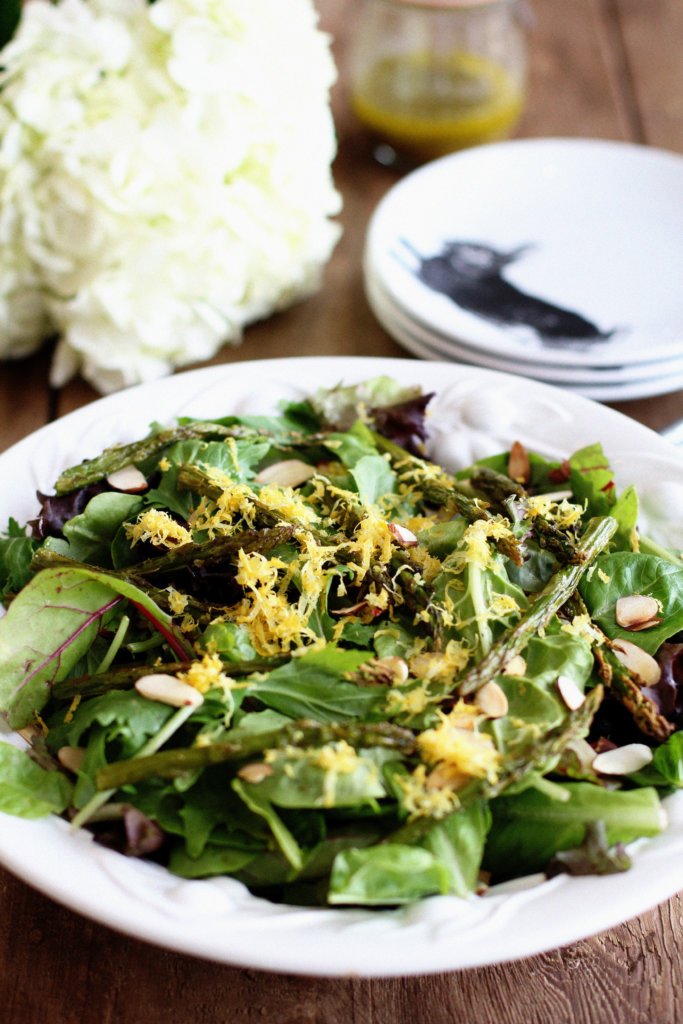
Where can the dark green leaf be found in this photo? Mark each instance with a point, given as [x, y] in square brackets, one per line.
[625, 573]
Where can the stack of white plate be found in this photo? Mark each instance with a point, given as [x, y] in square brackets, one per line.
[556, 259]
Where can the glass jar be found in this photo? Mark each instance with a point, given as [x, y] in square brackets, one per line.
[432, 76]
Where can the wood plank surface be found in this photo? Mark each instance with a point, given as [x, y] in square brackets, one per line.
[604, 68]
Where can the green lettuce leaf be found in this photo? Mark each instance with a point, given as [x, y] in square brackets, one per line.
[624, 573]
[29, 791]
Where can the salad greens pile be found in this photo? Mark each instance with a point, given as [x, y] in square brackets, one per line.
[292, 650]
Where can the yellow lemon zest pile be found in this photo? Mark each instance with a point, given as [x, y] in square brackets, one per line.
[157, 527]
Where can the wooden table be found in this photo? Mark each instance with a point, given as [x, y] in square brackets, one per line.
[599, 68]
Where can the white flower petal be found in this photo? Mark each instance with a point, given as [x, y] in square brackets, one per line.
[164, 177]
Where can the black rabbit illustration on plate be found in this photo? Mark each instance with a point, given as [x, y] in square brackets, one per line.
[471, 274]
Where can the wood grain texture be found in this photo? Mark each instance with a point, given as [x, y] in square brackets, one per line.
[603, 68]
[59, 967]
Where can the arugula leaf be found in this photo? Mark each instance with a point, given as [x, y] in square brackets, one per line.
[29, 791]
[313, 686]
[16, 552]
[259, 804]
[126, 717]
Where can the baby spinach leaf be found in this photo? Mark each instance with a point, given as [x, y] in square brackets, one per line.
[592, 482]
[29, 791]
[624, 573]
[458, 843]
[229, 640]
[300, 782]
[666, 768]
[373, 477]
[89, 535]
[390, 873]
[529, 828]
[213, 860]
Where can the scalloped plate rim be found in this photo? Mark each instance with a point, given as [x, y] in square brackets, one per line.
[219, 921]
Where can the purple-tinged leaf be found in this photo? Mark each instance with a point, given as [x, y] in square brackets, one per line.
[51, 624]
[404, 423]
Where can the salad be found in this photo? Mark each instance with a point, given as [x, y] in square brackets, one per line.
[292, 650]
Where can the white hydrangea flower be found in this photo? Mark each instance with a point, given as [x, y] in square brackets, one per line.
[164, 178]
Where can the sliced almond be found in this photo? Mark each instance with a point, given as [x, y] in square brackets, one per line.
[519, 467]
[516, 666]
[30, 732]
[353, 609]
[636, 611]
[255, 772]
[622, 760]
[168, 690]
[128, 479]
[644, 625]
[71, 758]
[402, 535]
[492, 700]
[571, 694]
[637, 661]
[584, 753]
[288, 473]
[395, 668]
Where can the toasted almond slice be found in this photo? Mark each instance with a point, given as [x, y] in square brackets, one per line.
[636, 610]
[394, 667]
[351, 609]
[129, 479]
[516, 666]
[71, 758]
[492, 700]
[622, 760]
[637, 661]
[645, 625]
[583, 752]
[255, 772]
[519, 467]
[570, 693]
[168, 689]
[30, 732]
[288, 473]
[402, 535]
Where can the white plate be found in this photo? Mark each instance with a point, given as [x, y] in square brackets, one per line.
[602, 223]
[423, 343]
[476, 413]
[388, 311]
